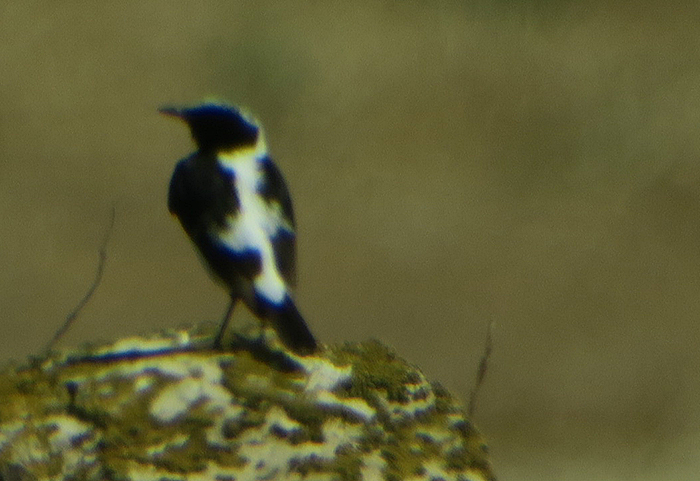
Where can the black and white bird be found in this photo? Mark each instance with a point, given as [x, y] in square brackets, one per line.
[233, 203]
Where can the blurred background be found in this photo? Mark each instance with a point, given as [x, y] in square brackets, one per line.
[533, 164]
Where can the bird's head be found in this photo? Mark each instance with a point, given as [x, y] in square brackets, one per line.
[217, 127]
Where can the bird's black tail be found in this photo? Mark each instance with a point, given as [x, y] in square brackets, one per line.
[292, 329]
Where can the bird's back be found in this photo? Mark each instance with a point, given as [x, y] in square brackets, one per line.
[239, 214]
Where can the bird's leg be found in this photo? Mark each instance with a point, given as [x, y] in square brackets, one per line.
[224, 323]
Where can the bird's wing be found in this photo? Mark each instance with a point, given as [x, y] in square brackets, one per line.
[274, 189]
[177, 188]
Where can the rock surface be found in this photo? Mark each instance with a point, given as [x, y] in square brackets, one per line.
[169, 408]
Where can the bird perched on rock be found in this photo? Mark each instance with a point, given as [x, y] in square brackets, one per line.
[233, 203]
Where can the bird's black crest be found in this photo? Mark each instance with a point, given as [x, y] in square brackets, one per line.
[216, 127]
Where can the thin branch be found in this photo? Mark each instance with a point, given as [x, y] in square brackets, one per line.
[93, 287]
[481, 373]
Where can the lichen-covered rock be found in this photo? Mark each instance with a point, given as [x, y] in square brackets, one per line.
[170, 408]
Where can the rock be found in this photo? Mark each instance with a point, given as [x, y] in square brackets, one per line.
[170, 408]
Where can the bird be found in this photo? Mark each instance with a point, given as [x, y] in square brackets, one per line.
[233, 203]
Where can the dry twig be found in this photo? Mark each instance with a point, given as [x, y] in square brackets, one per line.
[91, 291]
[481, 373]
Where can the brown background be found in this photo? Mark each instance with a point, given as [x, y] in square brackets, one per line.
[451, 164]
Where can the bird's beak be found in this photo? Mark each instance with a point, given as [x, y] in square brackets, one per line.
[172, 112]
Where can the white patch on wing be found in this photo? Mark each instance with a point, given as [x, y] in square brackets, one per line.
[256, 221]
